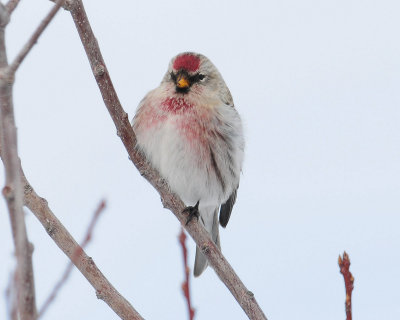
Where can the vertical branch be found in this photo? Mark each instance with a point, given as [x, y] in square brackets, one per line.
[185, 284]
[12, 190]
[14, 194]
[344, 265]
[4, 19]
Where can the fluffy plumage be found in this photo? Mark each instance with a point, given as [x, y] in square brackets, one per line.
[190, 131]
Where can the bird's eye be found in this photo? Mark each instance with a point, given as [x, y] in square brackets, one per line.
[173, 76]
[201, 77]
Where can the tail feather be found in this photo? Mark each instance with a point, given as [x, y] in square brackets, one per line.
[210, 221]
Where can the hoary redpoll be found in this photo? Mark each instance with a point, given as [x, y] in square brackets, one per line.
[190, 131]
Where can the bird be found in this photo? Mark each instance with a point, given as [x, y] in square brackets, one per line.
[190, 131]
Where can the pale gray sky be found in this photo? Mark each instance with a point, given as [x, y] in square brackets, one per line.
[317, 85]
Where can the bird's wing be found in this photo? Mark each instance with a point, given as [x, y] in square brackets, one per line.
[226, 209]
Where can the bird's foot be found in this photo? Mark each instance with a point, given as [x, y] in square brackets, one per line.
[192, 212]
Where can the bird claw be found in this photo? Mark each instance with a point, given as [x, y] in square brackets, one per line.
[192, 212]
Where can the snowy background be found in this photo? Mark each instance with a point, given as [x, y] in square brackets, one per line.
[318, 86]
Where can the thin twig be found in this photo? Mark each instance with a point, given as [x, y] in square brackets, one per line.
[12, 190]
[35, 36]
[89, 231]
[186, 282]
[60, 235]
[11, 5]
[171, 201]
[38, 205]
[73, 260]
[344, 265]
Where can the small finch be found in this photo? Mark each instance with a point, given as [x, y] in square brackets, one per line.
[190, 131]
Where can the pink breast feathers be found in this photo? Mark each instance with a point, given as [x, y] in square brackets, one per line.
[176, 105]
[188, 62]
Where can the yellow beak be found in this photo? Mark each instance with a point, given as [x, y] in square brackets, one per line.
[182, 82]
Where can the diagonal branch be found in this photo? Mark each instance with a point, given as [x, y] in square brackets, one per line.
[16, 196]
[60, 235]
[11, 5]
[12, 191]
[70, 265]
[171, 201]
[35, 36]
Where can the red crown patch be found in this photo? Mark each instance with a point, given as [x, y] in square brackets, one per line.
[187, 62]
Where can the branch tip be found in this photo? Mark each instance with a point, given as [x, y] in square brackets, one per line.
[185, 285]
[344, 265]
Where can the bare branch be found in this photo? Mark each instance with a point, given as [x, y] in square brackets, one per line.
[12, 190]
[4, 19]
[38, 205]
[70, 266]
[344, 265]
[11, 5]
[60, 235]
[186, 282]
[67, 4]
[221, 266]
[92, 224]
[35, 36]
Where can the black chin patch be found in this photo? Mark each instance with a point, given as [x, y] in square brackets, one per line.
[182, 90]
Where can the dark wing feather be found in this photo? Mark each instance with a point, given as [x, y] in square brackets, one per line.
[226, 209]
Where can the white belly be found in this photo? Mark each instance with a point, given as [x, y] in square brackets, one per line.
[198, 151]
[184, 163]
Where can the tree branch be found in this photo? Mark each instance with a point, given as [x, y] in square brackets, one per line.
[12, 190]
[70, 265]
[16, 196]
[171, 201]
[344, 265]
[186, 282]
[35, 36]
[60, 235]
[63, 239]
[4, 20]
[11, 5]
